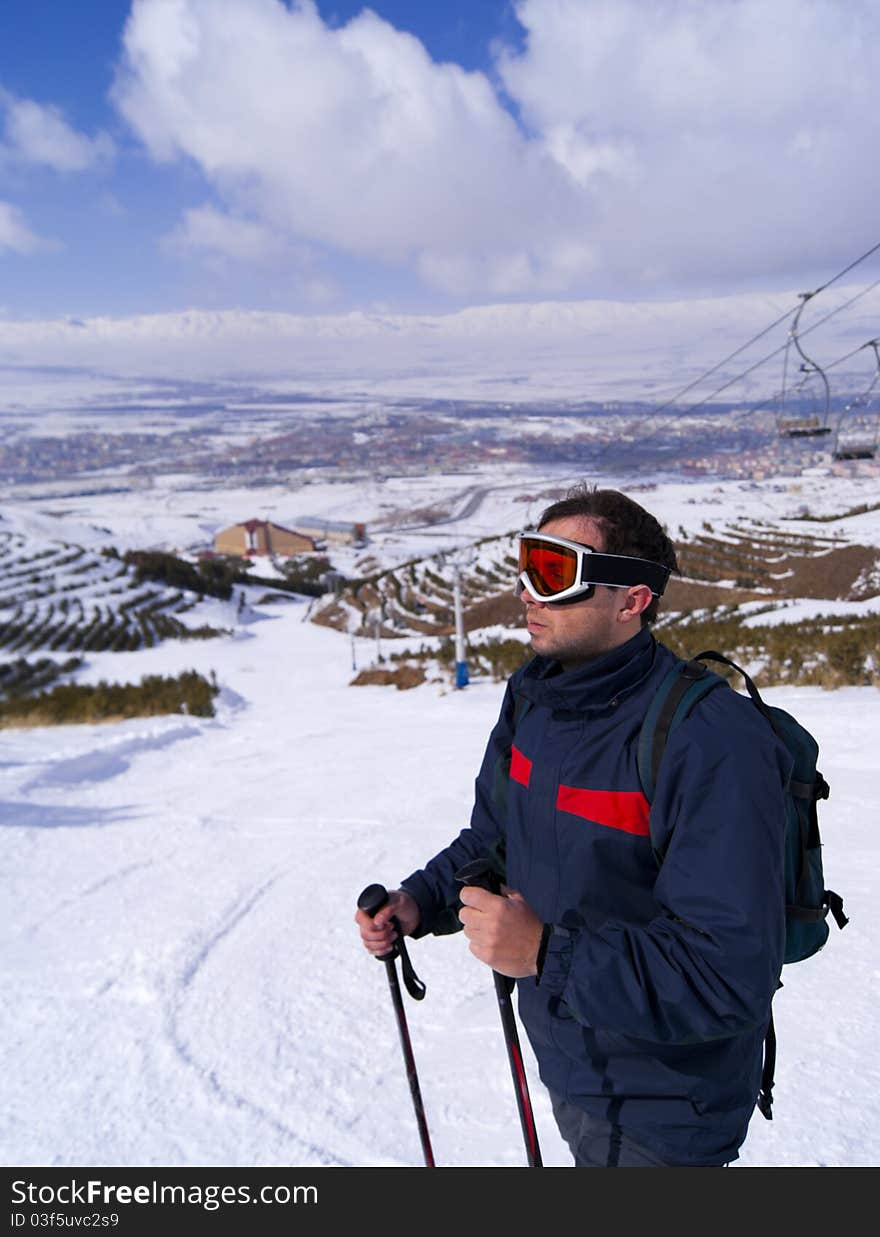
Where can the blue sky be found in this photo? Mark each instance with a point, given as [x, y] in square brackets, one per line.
[250, 154]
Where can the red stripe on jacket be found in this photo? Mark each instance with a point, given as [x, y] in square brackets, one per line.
[618, 809]
[520, 767]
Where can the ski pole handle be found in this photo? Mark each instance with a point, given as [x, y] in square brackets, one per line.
[371, 900]
[479, 873]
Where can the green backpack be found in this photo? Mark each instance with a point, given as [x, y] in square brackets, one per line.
[807, 901]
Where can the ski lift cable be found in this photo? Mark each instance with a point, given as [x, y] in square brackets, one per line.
[696, 381]
[673, 399]
[762, 403]
[782, 347]
[840, 360]
[769, 357]
[658, 425]
[847, 269]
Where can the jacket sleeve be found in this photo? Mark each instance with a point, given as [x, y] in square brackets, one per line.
[434, 887]
[707, 965]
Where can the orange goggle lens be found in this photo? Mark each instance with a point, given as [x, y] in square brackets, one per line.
[550, 568]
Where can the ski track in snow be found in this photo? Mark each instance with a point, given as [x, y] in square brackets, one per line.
[112, 879]
[109, 762]
[208, 1072]
[16, 815]
[225, 949]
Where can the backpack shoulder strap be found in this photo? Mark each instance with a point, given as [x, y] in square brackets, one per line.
[683, 686]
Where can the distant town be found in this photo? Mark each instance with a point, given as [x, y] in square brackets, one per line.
[268, 443]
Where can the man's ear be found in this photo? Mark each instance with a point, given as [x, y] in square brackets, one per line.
[635, 601]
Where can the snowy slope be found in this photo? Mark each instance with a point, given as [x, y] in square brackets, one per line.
[183, 981]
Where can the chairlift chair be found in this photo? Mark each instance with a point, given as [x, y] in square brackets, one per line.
[859, 441]
[801, 427]
[855, 447]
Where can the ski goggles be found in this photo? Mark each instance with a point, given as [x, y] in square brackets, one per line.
[556, 570]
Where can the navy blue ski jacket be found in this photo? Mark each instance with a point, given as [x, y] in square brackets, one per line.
[654, 998]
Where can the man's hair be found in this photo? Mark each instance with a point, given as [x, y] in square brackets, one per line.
[626, 527]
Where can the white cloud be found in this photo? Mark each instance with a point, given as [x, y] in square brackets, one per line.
[351, 138]
[15, 235]
[206, 229]
[658, 142]
[225, 244]
[713, 139]
[38, 133]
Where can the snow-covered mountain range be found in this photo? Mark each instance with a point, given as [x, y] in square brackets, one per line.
[582, 350]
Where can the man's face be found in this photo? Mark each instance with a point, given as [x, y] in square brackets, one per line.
[581, 630]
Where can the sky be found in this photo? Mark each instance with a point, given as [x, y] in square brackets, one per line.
[319, 158]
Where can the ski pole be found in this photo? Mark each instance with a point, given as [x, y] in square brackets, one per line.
[480, 873]
[373, 898]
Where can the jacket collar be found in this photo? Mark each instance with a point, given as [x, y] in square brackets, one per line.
[594, 685]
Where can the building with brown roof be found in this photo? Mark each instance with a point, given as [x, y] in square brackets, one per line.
[258, 537]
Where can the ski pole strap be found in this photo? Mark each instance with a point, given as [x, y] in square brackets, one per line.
[546, 933]
[765, 1095]
[835, 905]
[371, 900]
[413, 984]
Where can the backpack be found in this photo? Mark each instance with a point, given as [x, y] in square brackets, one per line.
[807, 901]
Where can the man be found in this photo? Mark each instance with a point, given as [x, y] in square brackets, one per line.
[646, 959]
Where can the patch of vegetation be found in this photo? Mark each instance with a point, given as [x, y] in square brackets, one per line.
[403, 677]
[827, 651]
[84, 602]
[213, 577]
[69, 703]
[23, 676]
[307, 574]
[862, 509]
[497, 658]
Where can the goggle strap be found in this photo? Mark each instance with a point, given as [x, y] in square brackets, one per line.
[624, 571]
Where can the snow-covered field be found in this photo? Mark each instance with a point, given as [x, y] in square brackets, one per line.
[183, 982]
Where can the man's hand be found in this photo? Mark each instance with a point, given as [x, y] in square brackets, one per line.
[378, 934]
[504, 931]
